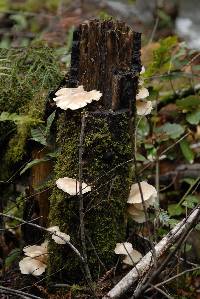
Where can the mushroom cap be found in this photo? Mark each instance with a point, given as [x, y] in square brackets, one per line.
[75, 98]
[142, 93]
[137, 215]
[143, 107]
[147, 203]
[147, 190]
[122, 248]
[142, 70]
[133, 257]
[36, 251]
[53, 229]
[61, 238]
[32, 266]
[71, 186]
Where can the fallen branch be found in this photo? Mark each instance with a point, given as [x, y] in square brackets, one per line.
[5, 290]
[147, 262]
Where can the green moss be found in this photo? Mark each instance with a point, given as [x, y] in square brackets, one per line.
[29, 76]
[106, 146]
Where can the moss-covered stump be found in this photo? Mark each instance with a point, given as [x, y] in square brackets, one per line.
[106, 57]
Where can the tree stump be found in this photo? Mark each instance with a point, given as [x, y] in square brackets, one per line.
[105, 57]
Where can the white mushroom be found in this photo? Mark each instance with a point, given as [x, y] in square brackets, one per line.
[143, 107]
[123, 248]
[58, 236]
[61, 238]
[142, 70]
[136, 209]
[148, 191]
[137, 215]
[75, 98]
[133, 257]
[32, 266]
[37, 251]
[142, 94]
[35, 261]
[53, 229]
[71, 186]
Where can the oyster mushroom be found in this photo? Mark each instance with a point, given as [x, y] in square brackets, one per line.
[75, 98]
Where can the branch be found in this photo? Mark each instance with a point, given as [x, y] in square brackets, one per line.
[147, 262]
[4, 290]
[45, 230]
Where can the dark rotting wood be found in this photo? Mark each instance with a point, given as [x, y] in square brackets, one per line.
[105, 56]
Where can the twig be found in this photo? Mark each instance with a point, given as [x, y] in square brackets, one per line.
[81, 206]
[157, 272]
[45, 230]
[154, 30]
[162, 292]
[146, 262]
[18, 293]
[176, 276]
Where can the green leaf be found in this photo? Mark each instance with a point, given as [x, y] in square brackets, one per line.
[33, 163]
[189, 181]
[11, 258]
[190, 201]
[189, 102]
[50, 120]
[193, 118]
[143, 128]
[175, 210]
[140, 158]
[186, 151]
[39, 135]
[20, 21]
[172, 130]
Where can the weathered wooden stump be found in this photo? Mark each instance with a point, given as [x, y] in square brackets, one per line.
[105, 57]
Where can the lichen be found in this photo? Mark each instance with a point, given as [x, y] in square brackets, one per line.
[106, 147]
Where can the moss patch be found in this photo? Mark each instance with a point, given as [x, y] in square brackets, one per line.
[106, 146]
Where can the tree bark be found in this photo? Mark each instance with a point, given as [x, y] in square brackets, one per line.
[105, 57]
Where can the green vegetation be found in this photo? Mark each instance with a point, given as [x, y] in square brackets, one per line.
[30, 75]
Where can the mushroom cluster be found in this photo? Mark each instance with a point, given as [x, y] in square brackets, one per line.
[143, 106]
[135, 208]
[132, 256]
[75, 98]
[35, 262]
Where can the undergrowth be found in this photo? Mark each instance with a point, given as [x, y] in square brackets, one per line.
[29, 75]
